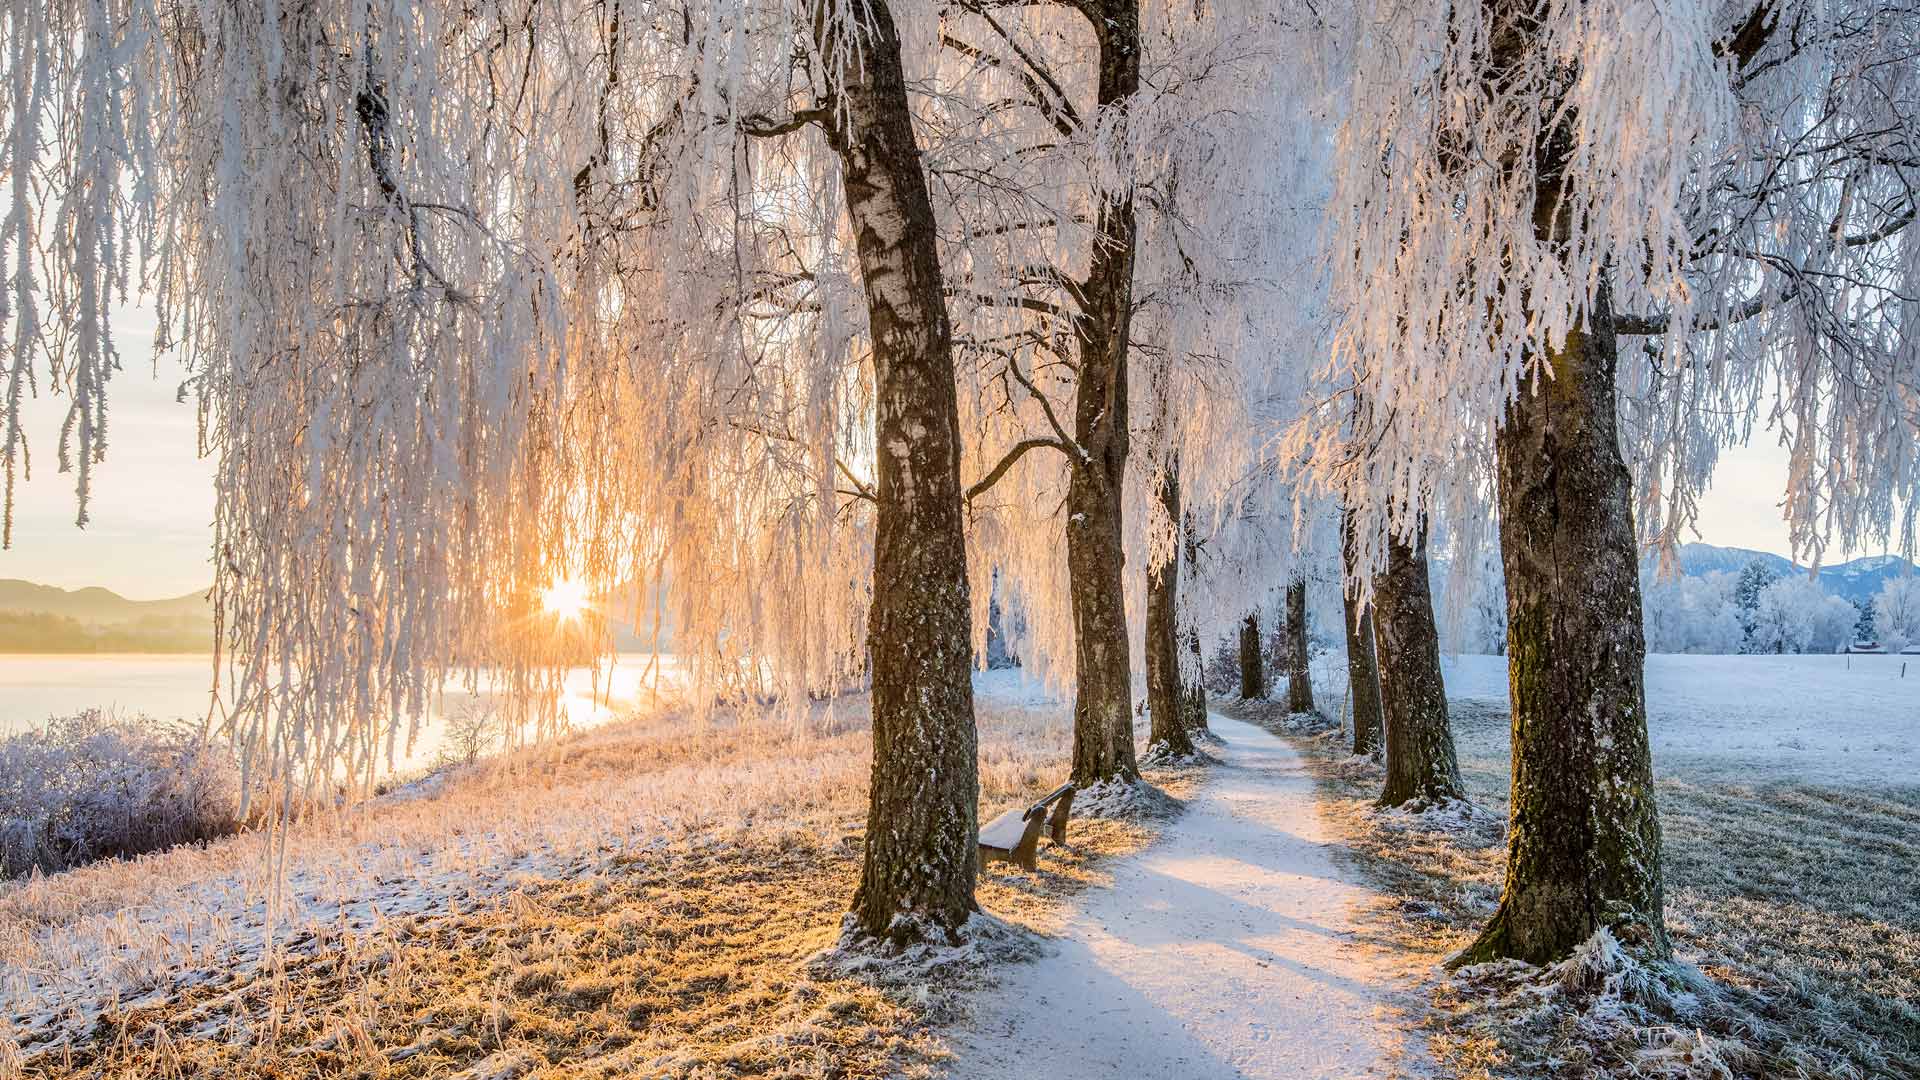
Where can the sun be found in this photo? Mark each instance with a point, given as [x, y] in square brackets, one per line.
[566, 598]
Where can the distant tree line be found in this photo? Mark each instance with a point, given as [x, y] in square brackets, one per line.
[41, 632]
[1758, 609]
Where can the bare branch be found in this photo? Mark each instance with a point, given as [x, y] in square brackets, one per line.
[1014, 455]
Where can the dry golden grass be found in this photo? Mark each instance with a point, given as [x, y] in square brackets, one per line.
[642, 900]
[1797, 902]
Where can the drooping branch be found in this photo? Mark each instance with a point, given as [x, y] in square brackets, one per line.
[370, 105]
[764, 127]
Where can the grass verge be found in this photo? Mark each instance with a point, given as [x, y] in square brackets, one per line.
[642, 900]
[1792, 908]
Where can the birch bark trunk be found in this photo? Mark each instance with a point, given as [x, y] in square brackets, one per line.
[920, 859]
[1196, 665]
[1096, 556]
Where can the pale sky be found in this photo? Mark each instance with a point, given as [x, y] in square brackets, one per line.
[151, 512]
[153, 498]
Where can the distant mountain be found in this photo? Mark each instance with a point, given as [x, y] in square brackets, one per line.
[96, 605]
[1700, 559]
[43, 618]
[1859, 579]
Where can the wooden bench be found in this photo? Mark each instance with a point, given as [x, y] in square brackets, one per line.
[1015, 835]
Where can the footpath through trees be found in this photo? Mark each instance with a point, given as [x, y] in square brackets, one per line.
[1224, 950]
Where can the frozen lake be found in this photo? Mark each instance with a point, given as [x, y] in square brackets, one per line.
[32, 688]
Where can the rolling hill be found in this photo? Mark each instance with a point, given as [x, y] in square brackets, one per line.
[1858, 579]
[95, 605]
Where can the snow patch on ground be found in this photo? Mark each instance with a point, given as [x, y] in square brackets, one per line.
[1125, 800]
[1358, 767]
[1615, 999]
[1445, 815]
[1160, 756]
[1303, 723]
[928, 959]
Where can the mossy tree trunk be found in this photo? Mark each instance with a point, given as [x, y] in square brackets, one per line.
[1420, 757]
[1363, 676]
[1253, 668]
[1583, 838]
[1299, 673]
[1103, 702]
[1166, 697]
[1583, 842]
[920, 859]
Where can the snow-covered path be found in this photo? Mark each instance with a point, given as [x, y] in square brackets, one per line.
[1223, 950]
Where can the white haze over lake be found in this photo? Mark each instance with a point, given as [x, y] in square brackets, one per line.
[33, 688]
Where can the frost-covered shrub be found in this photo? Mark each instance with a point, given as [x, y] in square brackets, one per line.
[93, 786]
[470, 734]
[1795, 615]
[1896, 612]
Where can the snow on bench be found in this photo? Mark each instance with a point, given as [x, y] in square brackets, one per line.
[1015, 835]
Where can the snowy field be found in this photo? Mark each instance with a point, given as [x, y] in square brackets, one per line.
[1829, 720]
[1789, 800]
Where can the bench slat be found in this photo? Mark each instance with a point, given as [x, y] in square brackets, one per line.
[1005, 831]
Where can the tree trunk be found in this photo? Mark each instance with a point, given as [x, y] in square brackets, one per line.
[1363, 677]
[1103, 703]
[1299, 676]
[920, 859]
[1420, 759]
[1196, 699]
[1166, 698]
[1253, 675]
[1103, 699]
[1583, 839]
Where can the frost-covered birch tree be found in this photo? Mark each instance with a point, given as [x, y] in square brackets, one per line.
[1046, 210]
[1520, 185]
[480, 297]
[1896, 612]
[1105, 217]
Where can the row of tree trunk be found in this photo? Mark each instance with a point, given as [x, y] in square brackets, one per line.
[1291, 646]
[919, 865]
[1396, 692]
[1584, 845]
